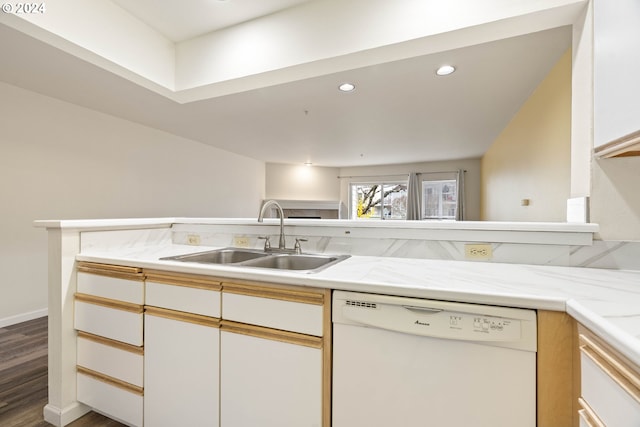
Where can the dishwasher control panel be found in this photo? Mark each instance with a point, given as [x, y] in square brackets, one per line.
[448, 320]
[457, 325]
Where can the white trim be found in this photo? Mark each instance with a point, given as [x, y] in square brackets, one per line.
[19, 318]
[61, 417]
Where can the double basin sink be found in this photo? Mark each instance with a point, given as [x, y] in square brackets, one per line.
[307, 263]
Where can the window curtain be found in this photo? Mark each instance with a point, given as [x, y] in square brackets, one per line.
[460, 214]
[414, 193]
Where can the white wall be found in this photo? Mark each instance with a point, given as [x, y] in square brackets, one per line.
[472, 178]
[62, 161]
[299, 182]
[615, 198]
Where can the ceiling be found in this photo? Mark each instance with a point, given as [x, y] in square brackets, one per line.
[400, 112]
[183, 20]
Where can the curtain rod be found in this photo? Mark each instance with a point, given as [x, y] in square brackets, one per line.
[396, 174]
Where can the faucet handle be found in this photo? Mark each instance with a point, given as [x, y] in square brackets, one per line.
[267, 243]
[297, 246]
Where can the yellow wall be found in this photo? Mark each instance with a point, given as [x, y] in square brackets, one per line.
[530, 159]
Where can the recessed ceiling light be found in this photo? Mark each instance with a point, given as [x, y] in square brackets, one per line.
[445, 70]
[347, 87]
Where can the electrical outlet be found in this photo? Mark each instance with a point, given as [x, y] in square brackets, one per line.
[478, 251]
[240, 242]
[193, 239]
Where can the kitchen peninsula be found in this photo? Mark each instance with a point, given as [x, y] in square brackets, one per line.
[606, 302]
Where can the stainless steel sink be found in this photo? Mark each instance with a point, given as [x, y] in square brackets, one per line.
[219, 256]
[308, 263]
[296, 262]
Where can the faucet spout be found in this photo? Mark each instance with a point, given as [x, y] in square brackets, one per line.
[281, 243]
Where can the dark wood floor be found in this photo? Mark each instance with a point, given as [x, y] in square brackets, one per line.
[23, 378]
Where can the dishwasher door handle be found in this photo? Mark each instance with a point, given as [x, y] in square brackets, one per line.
[424, 310]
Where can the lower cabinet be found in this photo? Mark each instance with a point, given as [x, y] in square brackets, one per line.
[182, 350]
[275, 356]
[109, 322]
[112, 398]
[164, 349]
[610, 385]
[269, 378]
[181, 369]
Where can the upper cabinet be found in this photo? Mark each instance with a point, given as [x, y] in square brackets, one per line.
[616, 78]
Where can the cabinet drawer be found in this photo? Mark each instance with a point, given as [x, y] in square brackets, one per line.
[110, 399]
[121, 361]
[205, 302]
[111, 287]
[111, 281]
[610, 387]
[273, 312]
[183, 292]
[109, 319]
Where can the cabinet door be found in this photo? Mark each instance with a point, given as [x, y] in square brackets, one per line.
[270, 382]
[181, 365]
[610, 383]
[616, 69]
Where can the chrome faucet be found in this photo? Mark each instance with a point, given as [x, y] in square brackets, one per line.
[281, 244]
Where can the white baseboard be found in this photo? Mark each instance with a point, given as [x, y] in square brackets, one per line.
[61, 417]
[19, 318]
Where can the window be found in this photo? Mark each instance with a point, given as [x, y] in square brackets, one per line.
[384, 200]
[439, 199]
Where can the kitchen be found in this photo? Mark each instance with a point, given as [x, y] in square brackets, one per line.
[130, 178]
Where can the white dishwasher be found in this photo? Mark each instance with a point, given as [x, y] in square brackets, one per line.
[411, 362]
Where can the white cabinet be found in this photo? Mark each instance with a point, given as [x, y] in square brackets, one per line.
[181, 292]
[181, 370]
[182, 351]
[271, 381]
[275, 365]
[616, 83]
[110, 352]
[215, 354]
[109, 318]
[610, 385]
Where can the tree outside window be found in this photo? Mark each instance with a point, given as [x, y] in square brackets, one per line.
[379, 200]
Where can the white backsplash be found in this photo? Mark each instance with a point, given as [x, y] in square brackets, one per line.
[601, 254]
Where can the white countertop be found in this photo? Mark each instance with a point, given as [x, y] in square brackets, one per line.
[124, 223]
[605, 301]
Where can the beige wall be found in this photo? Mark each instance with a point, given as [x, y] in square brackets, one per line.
[530, 159]
[61, 161]
[300, 182]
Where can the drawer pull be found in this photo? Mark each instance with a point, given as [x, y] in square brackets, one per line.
[111, 343]
[115, 271]
[110, 303]
[291, 295]
[190, 281]
[110, 380]
[271, 334]
[182, 316]
[589, 415]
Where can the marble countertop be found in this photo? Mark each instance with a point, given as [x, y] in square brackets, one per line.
[605, 301]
